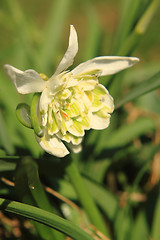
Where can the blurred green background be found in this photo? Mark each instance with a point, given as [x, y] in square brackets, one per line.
[122, 160]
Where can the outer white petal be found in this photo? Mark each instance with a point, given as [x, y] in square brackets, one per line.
[52, 145]
[71, 52]
[99, 123]
[25, 82]
[108, 65]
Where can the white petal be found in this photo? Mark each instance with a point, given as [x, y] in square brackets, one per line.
[99, 123]
[25, 82]
[75, 148]
[108, 65]
[45, 99]
[52, 145]
[71, 52]
[104, 97]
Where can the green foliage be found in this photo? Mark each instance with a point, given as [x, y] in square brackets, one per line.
[119, 165]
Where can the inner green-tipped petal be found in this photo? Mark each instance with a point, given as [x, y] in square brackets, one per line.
[87, 85]
[60, 122]
[96, 104]
[35, 115]
[76, 129]
[99, 122]
[52, 125]
[93, 72]
[100, 90]
[103, 112]
[76, 140]
[66, 93]
[66, 137]
[74, 109]
[86, 122]
[23, 114]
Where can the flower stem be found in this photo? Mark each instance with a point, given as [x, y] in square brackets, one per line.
[84, 196]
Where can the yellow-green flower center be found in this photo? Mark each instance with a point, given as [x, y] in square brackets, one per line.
[73, 102]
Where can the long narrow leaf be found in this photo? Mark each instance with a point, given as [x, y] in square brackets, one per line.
[4, 136]
[156, 220]
[46, 218]
[143, 88]
[30, 190]
[54, 29]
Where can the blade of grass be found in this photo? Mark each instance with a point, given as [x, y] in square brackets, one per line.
[140, 228]
[22, 26]
[127, 133]
[54, 29]
[155, 233]
[83, 194]
[46, 218]
[139, 29]
[94, 32]
[30, 190]
[106, 201]
[130, 10]
[5, 137]
[131, 43]
[143, 88]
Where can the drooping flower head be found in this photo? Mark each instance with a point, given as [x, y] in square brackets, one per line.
[69, 102]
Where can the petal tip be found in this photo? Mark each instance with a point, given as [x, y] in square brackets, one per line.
[135, 59]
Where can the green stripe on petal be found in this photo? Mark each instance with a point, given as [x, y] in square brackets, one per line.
[63, 95]
[66, 137]
[87, 85]
[76, 140]
[60, 122]
[93, 72]
[74, 109]
[100, 90]
[23, 114]
[86, 122]
[52, 125]
[103, 112]
[96, 104]
[76, 129]
[35, 115]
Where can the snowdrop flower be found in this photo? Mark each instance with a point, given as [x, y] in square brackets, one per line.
[69, 102]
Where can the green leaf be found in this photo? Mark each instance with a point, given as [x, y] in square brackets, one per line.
[140, 227]
[123, 223]
[156, 220]
[93, 41]
[141, 89]
[127, 133]
[130, 14]
[140, 28]
[52, 34]
[30, 190]
[5, 137]
[7, 166]
[46, 218]
[96, 169]
[22, 28]
[105, 200]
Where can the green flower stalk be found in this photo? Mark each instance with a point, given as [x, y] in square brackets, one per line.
[69, 102]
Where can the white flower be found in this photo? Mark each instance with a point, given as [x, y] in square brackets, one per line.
[69, 102]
